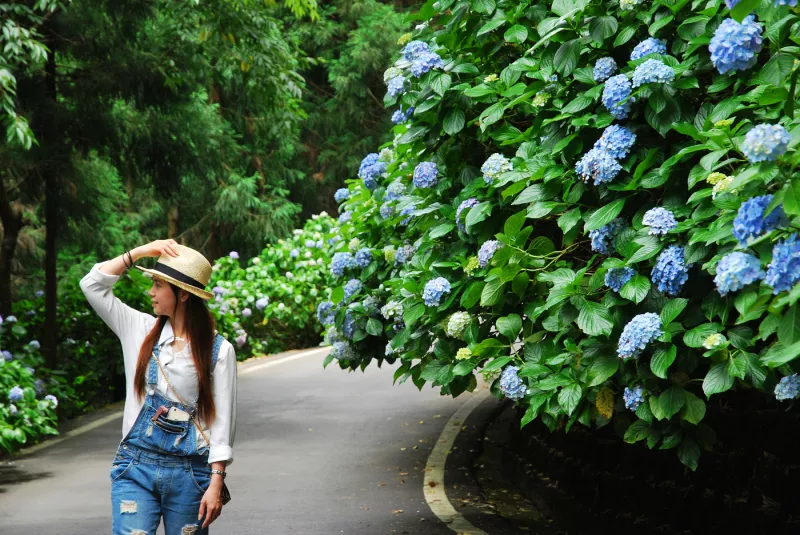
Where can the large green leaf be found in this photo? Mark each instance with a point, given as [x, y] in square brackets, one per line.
[662, 360]
[604, 215]
[566, 57]
[717, 380]
[594, 319]
[510, 326]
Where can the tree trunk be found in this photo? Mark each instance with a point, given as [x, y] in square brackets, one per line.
[172, 221]
[11, 216]
[52, 188]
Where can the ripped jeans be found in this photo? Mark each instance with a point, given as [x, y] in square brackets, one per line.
[157, 471]
[145, 486]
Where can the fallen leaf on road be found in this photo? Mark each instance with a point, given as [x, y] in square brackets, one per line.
[395, 511]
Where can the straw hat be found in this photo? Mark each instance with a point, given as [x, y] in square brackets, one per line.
[189, 270]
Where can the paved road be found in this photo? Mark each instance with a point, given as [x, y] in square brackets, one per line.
[318, 451]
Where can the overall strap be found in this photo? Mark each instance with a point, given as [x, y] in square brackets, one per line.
[215, 352]
[152, 370]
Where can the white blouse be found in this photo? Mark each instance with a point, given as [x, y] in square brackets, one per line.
[131, 326]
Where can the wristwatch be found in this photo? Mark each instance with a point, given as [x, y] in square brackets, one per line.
[222, 472]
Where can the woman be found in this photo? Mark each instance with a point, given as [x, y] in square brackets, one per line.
[164, 464]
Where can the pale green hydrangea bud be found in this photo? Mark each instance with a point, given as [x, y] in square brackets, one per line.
[388, 254]
[713, 340]
[463, 354]
[457, 323]
[472, 265]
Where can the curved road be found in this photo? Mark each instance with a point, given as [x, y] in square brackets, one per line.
[317, 451]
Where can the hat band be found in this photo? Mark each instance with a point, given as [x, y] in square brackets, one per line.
[177, 275]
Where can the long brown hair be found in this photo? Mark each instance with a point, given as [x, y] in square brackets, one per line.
[200, 325]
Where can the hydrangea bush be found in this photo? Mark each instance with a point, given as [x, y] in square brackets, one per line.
[614, 207]
[271, 304]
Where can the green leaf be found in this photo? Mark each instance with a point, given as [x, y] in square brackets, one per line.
[441, 230]
[791, 197]
[453, 122]
[672, 309]
[779, 354]
[601, 28]
[672, 400]
[594, 319]
[492, 114]
[601, 369]
[483, 6]
[737, 366]
[570, 396]
[789, 327]
[492, 292]
[374, 327]
[661, 361]
[636, 289]
[464, 367]
[569, 219]
[638, 430]
[337, 295]
[514, 224]
[440, 84]
[496, 364]
[472, 294]
[516, 34]
[698, 335]
[566, 57]
[604, 215]
[776, 71]
[625, 35]
[689, 451]
[717, 380]
[510, 326]
[491, 25]
[694, 410]
[413, 314]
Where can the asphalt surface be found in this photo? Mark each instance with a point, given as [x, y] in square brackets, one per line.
[317, 451]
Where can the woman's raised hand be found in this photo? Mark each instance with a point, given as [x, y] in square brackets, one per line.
[158, 247]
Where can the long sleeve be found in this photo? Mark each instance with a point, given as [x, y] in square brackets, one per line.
[224, 390]
[122, 319]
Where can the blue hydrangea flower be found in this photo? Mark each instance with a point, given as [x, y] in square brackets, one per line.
[294, 253]
[426, 62]
[52, 399]
[469, 203]
[309, 243]
[616, 278]
[617, 90]
[345, 217]
[39, 293]
[784, 270]
[401, 116]
[406, 211]
[670, 272]
[352, 287]
[633, 397]
[494, 166]
[233, 254]
[765, 142]
[616, 140]
[425, 175]
[415, 49]
[603, 238]
[262, 303]
[486, 252]
[396, 86]
[751, 222]
[370, 169]
[395, 190]
[343, 351]
[434, 290]
[363, 257]
[604, 69]
[511, 385]
[652, 71]
[599, 165]
[15, 394]
[790, 3]
[403, 254]
[340, 262]
[640, 331]
[7, 355]
[737, 270]
[788, 387]
[731, 3]
[660, 220]
[342, 194]
[651, 45]
[735, 46]
[325, 313]
[387, 210]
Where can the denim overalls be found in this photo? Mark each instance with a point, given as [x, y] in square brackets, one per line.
[158, 468]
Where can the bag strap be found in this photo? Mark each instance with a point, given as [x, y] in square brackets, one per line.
[214, 357]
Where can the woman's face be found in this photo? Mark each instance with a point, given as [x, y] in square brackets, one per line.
[162, 297]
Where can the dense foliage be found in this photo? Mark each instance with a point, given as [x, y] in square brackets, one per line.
[598, 200]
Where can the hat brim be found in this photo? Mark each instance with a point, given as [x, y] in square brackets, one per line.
[203, 294]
